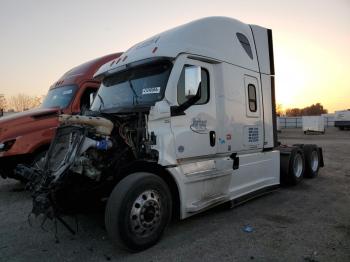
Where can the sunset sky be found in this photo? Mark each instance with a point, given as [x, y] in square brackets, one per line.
[42, 39]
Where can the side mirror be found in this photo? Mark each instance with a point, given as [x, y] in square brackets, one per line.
[91, 98]
[193, 78]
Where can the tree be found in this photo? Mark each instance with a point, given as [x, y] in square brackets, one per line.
[313, 110]
[279, 110]
[293, 112]
[22, 102]
[2, 102]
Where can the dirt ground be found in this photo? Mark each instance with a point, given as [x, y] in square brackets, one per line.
[309, 222]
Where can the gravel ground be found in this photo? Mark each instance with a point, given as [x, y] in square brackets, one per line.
[309, 222]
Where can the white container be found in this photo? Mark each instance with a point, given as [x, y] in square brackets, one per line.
[313, 124]
[278, 124]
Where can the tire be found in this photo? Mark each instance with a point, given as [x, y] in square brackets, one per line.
[312, 161]
[292, 167]
[138, 210]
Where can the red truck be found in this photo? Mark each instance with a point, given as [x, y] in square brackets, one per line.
[26, 136]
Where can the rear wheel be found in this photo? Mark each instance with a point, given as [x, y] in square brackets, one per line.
[312, 161]
[138, 210]
[292, 167]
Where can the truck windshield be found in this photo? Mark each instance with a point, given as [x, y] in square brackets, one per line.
[59, 97]
[139, 86]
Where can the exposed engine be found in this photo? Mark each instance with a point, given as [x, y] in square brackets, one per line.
[85, 159]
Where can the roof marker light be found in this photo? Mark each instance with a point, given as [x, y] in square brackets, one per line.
[154, 49]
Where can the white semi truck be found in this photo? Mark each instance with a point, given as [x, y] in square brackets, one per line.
[182, 122]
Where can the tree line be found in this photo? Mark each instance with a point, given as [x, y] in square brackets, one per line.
[313, 110]
[19, 102]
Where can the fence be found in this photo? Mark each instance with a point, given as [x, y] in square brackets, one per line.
[296, 122]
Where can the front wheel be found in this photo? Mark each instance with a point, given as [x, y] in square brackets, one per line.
[138, 210]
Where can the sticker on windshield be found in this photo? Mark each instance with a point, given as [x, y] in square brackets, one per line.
[67, 92]
[151, 90]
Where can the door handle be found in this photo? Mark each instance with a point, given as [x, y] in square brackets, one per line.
[212, 138]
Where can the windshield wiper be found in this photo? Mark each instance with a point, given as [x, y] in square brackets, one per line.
[133, 90]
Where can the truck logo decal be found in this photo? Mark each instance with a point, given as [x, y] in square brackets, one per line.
[151, 90]
[199, 126]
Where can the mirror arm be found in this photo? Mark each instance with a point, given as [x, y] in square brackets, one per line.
[180, 110]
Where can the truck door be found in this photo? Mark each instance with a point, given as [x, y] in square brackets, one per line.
[253, 132]
[195, 130]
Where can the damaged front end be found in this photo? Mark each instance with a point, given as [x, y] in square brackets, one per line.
[85, 160]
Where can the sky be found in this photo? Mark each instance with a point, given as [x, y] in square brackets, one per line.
[42, 39]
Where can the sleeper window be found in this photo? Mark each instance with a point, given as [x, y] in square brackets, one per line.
[245, 44]
[252, 98]
[204, 89]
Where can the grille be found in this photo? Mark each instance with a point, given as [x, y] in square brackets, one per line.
[63, 148]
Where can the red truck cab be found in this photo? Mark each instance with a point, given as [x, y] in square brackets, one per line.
[25, 136]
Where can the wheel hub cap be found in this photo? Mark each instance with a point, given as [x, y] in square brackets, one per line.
[145, 213]
[298, 165]
[314, 161]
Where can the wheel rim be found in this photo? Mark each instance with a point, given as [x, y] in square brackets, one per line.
[298, 165]
[145, 215]
[314, 161]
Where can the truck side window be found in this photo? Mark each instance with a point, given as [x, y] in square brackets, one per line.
[252, 98]
[85, 98]
[204, 89]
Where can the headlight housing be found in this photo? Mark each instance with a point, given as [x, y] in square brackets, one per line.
[5, 146]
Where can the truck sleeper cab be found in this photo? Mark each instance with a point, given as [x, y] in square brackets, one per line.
[189, 123]
[26, 136]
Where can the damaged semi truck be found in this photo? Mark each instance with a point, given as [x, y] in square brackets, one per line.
[182, 122]
[26, 136]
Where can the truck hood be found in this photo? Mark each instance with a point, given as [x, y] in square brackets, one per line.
[27, 115]
[16, 124]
